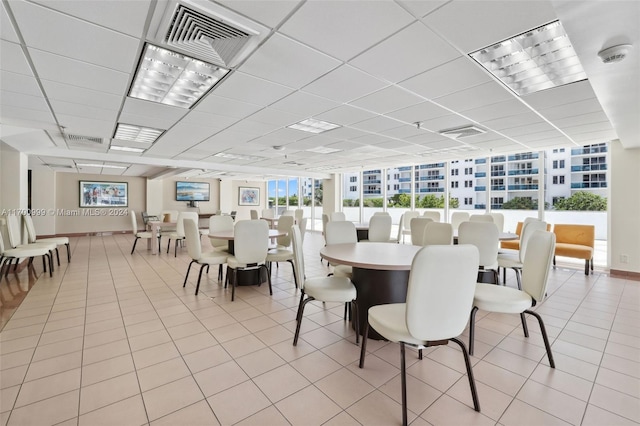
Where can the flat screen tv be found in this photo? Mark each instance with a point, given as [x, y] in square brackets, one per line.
[192, 191]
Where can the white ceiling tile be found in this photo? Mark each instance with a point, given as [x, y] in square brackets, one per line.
[84, 111]
[6, 27]
[276, 117]
[577, 120]
[445, 122]
[122, 15]
[68, 93]
[595, 137]
[57, 33]
[517, 132]
[288, 62]
[345, 84]
[78, 73]
[571, 109]
[206, 119]
[253, 128]
[153, 111]
[246, 88]
[267, 12]
[420, 112]
[506, 108]
[225, 106]
[568, 93]
[86, 126]
[513, 121]
[386, 100]
[472, 25]
[420, 8]
[330, 27]
[345, 115]
[20, 100]
[406, 53]
[19, 83]
[376, 124]
[12, 58]
[437, 82]
[474, 97]
[28, 118]
[304, 104]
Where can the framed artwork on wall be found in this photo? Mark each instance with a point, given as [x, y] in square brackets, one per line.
[248, 196]
[104, 194]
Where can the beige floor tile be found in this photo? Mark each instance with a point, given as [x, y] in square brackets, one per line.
[449, 411]
[280, 382]
[238, 403]
[129, 411]
[493, 403]
[344, 388]
[563, 382]
[107, 369]
[556, 403]
[375, 371]
[297, 409]
[198, 414]
[49, 411]
[320, 337]
[259, 362]
[433, 373]
[520, 413]
[206, 358]
[229, 332]
[344, 352]
[621, 365]
[315, 366]
[50, 366]
[155, 355]
[595, 416]
[195, 343]
[269, 416]
[378, 408]
[107, 392]
[342, 419]
[511, 362]
[220, 377]
[103, 352]
[243, 346]
[171, 397]
[8, 398]
[16, 359]
[288, 352]
[162, 373]
[49, 386]
[273, 335]
[19, 344]
[616, 402]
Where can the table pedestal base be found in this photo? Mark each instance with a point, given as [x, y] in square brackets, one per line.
[378, 287]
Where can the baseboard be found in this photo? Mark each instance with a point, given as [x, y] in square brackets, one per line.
[630, 275]
[86, 234]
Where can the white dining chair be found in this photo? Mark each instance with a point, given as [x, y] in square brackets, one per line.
[418, 225]
[254, 214]
[268, 214]
[178, 235]
[508, 300]
[457, 218]
[302, 224]
[498, 219]
[33, 238]
[337, 217]
[282, 252]
[515, 261]
[194, 249]
[407, 217]
[322, 289]
[8, 255]
[217, 224]
[251, 243]
[341, 233]
[483, 235]
[437, 233]
[433, 215]
[380, 228]
[140, 234]
[298, 214]
[439, 297]
[481, 218]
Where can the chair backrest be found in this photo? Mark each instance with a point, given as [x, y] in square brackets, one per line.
[182, 216]
[535, 272]
[528, 229]
[13, 229]
[437, 233]
[251, 241]
[457, 218]
[31, 230]
[418, 225]
[575, 234]
[435, 216]
[192, 237]
[134, 222]
[268, 213]
[284, 224]
[254, 214]
[436, 311]
[288, 213]
[302, 224]
[337, 216]
[481, 218]
[381, 213]
[407, 216]
[340, 233]
[498, 219]
[299, 214]
[220, 223]
[483, 235]
[298, 255]
[380, 228]
[325, 220]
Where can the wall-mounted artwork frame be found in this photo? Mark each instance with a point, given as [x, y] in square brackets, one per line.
[95, 194]
[248, 196]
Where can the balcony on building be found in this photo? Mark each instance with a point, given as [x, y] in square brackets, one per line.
[524, 156]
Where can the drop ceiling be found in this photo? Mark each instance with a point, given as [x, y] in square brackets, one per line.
[376, 68]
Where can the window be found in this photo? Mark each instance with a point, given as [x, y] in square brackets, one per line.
[432, 185]
[454, 172]
[555, 180]
[555, 164]
[468, 201]
[561, 164]
[468, 170]
[561, 179]
[454, 184]
[353, 179]
[497, 201]
[468, 184]
[353, 188]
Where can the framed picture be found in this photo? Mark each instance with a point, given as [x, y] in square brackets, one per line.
[103, 194]
[249, 196]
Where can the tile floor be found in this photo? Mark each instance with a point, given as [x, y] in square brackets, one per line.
[114, 339]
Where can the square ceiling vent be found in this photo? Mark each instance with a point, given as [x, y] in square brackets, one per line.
[462, 132]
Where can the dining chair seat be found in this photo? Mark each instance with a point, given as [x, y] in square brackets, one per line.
[194, 249]
[506, 300]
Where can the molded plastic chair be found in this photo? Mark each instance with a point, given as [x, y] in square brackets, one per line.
[142, 234]
[251, 243]
[179, 234]
[457, 218]
[498, 219]
[268, 213]
[302, 224]
[282, 253]
[483, 235]
[337, 217]
[437, 234]
[8, 255]
[254, 214]
[217, 224]
[343, 232]
[298, 214]
[58, 241]
[289, 213]
[380, 228]
[435, 216]
[442, 283]
[516, 261]
[194, 249]
[323, 289]
[481, 218]
[406, 222]
[508, 300]
[418, 226]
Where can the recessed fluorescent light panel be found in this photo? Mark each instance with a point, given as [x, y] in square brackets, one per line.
[131, 132]
[323, 150]
[536, 60]
[172, 78]
[313, 126]
[125, 148]
[237, 156]
[104, 166]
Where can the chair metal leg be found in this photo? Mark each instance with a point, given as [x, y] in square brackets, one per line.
[233, 284]
[420, 353]
[68, 252]
[293, 269]
[472, 381]
[58, 256]
[44, 265]
[356, 317]
[134, 245]
[268, 280]
[472, 326]
[403, 379]
[199, 278]
[586, 267]
[544, 337]
[300, 315]
[184, 284]
[363, 348]
[523, 319]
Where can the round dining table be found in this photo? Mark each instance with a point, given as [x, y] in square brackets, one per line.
[229, 236]
[380, 272]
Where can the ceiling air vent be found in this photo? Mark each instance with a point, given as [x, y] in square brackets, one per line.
[84, 139]
[462, 132]
[206, 31]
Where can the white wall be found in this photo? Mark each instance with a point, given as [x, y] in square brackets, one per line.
[43, 199]
[624, 217]
[169, 196]
[229, 197]
[13, 178]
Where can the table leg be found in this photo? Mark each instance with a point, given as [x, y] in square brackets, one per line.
[376, 287]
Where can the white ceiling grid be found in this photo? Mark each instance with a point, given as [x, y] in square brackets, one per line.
[376, 68]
